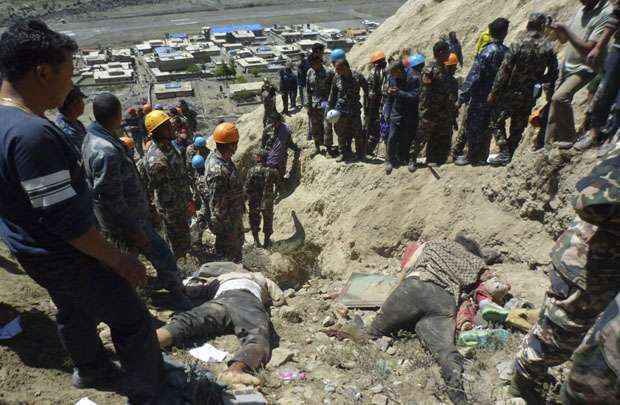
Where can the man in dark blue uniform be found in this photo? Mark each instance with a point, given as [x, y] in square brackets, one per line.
[46, 219]
[68, 119]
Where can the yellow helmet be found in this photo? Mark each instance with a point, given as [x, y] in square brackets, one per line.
[155, 119]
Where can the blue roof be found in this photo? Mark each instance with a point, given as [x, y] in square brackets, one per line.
[225, 29]
[164, 50]
[178, 35]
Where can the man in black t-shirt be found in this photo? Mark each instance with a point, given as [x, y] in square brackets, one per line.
[46, 219]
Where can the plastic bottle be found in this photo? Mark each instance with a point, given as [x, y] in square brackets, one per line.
[485, 338]
[292, 376]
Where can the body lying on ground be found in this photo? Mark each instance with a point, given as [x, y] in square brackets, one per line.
[237, 303]
[438, 276]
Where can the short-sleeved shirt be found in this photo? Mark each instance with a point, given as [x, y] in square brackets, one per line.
[589, 25]
[45, 200]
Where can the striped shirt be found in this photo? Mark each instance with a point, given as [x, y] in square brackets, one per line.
[45, 200]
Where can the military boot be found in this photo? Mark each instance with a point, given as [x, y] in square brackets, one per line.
[256, 238]
[388, 168]
[104, 375]
[267, 243]
[461, 160]
[317, 148]
[520, 387]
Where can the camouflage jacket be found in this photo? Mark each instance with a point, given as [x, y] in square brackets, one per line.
[318, 85]
[190, 152]
[529, 61]
[589, 250]
[168, 179]
[268, 97]
[260, 186]
[438, 94]
[345, 93]
[225, 197]
[376, 88]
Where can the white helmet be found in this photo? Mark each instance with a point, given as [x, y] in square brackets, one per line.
[333, 116]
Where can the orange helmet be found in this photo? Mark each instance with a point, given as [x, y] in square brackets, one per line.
[226, 132]
[377, 57]
[453, 60]
[128, 142]
[535, 119]
[146, 108]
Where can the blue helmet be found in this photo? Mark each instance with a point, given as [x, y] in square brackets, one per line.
[338, 54]
[417, 60]
[198, 162]
[200, 142]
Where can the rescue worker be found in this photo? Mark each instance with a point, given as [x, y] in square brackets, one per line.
[169, 181]
[276, 141]
[69, 118]
[120, 202]
[189, 115]
[225, 200]
[142, 113]
[582, 34]
[288, 88]
[437, 274]
[530, 60]
[318, 85]
[237, 302]
[328, 127]
[260, 190]
[402, 102]
[607, 93]
[197, 148]
[437, 108]
[593, 379]
[46, 220]
[131, 125]
[268, 97]
[455, 46]
[474, 93]
[345, 98]
[584, 280]
[376, 81]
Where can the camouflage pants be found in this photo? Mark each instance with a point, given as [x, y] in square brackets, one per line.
[230, 244]
[176, 230]
[437, 135]
[347, 128]
[596, 363]
[328, 134]
[518, 109]
[373, 128]
[566, 316]
[258, 209]
[461, 140]
[475, 132]
[315, 124]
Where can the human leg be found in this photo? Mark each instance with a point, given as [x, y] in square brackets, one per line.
[400, 310]
[177, 233]
[561, 126]
[159, 254]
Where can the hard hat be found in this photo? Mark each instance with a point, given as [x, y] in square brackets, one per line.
[337, 54]
[159, 107]
[535, 119]
[453, 60]
[198, 162]
[377, 57]
[155, 119]
[146, 108]
[226, 132]
[417, 60]
[333, 116]
[128, 142]
[200, 142]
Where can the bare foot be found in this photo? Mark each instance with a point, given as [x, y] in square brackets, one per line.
[232, 377]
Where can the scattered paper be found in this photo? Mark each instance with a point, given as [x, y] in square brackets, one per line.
[85, 401]
[11, 329]
[208, 353]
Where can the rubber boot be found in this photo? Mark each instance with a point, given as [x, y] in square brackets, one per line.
[520, 387]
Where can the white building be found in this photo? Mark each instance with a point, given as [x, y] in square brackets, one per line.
[95, 58]
[173, 89]
[121, 55]
[252, 65]
[113, 76]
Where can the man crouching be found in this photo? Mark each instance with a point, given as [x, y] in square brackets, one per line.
[238, 302]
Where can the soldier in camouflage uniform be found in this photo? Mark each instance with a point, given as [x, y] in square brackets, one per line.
[260, 190]
[475, 91]
[199, 147]
[268, 97]
[596, 363]
[529, 61]
[372, 121]
[168, 178]
[584, 278]
[345, 97]
[437, 108]
[225, 197]
[318, 86]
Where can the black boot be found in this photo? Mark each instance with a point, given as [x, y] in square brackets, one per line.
[105, 375]
[267, 241]
[256, 238]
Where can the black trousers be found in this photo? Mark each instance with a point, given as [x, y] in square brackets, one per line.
[85, 294]
[235, 311]
[428, 310]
